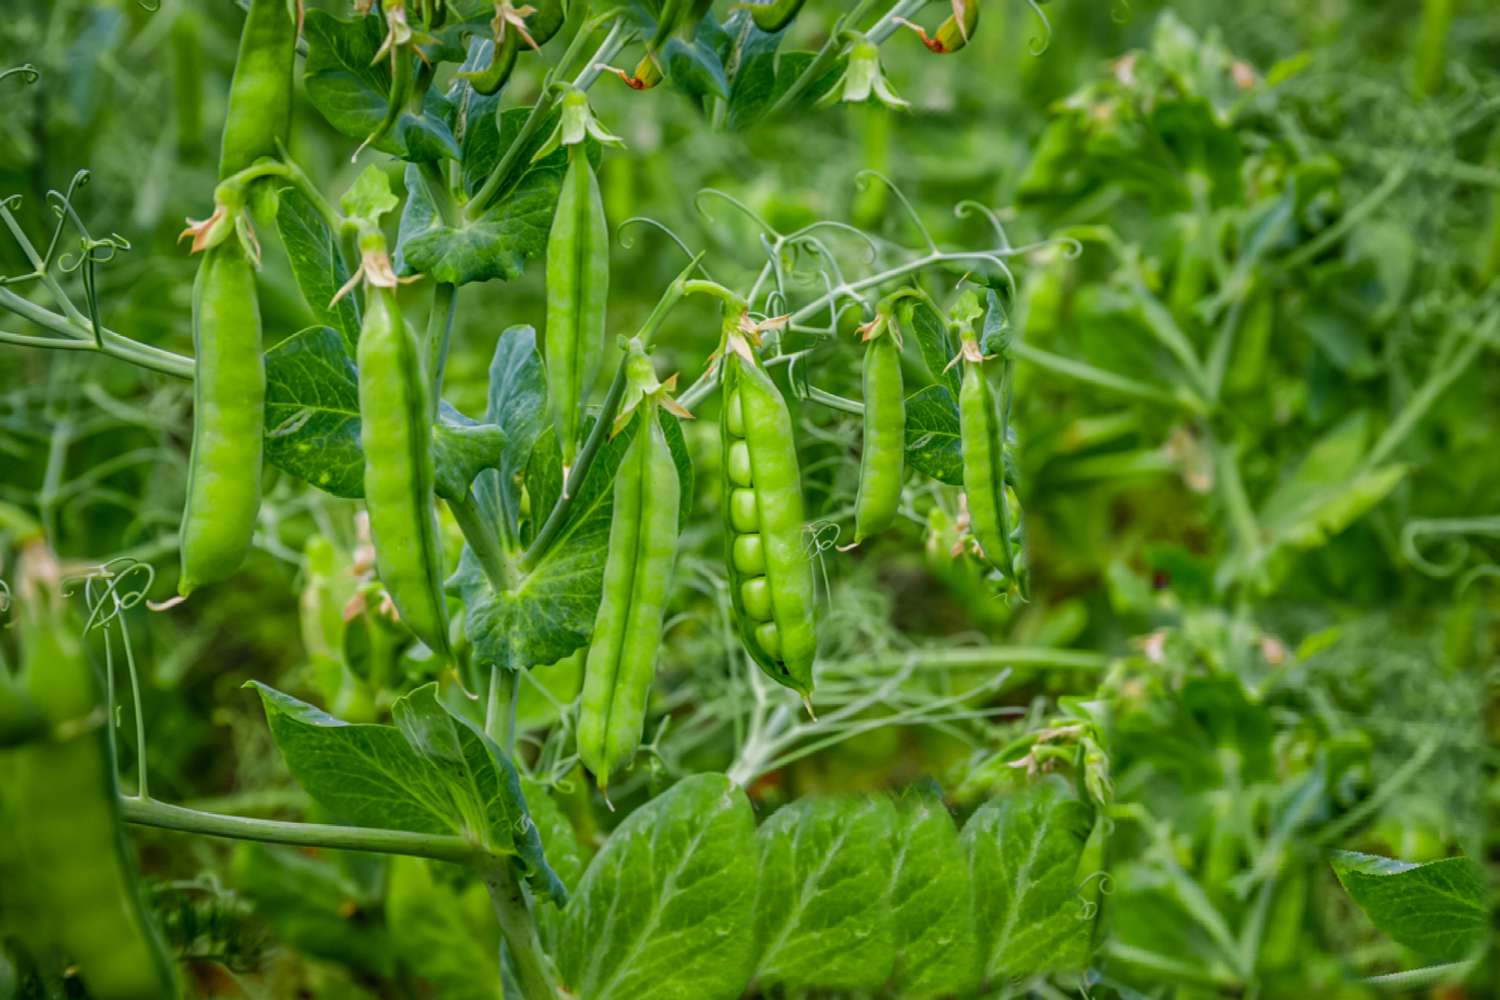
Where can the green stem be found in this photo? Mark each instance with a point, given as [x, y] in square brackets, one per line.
[835, 46]
[481, 539]
[1437, 383]
[538, 977]
[981, 658]
[1432, 46]
[437, 847]
[113, 344]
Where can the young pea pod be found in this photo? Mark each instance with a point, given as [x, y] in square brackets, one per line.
[577, 292]
[882, 459]
[229, 390]
[489, 80]
[994, 511]
[773, 15]
[399, 46]
[396, 432]
[637, 580]
[955, 31]
[260, 95]
[770, 575]
[67, 878]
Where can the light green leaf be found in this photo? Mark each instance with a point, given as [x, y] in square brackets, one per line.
[1024, 851]
[662, 910]
[444, 933]
[822, 917]
[931, 899]
[1439, 909]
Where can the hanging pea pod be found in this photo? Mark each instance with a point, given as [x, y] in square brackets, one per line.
[260, 94]
[883, 455]
[770, 574]
[773, 15]
[637, 580]
[577, 293]
[229, 389]
[398, 44]
[396, 433]
[68, 882]
[994, 511]
[955, 31]
[489, 80]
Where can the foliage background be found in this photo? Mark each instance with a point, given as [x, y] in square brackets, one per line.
[1293, 667]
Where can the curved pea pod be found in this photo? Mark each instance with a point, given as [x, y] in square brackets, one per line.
[994, 514]
[577, 292]
[773, 15]
[637, 581]
[68, 881]
[260, 94]
[396, 432]
[770, 574]
[229, 395]
[489, 80]
[882, 458]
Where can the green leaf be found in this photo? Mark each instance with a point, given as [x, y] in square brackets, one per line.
[933, 444]
[445, 934]
[318, 265]
[348, 86]
[694, 69]
[934, 341]
[822, 919]
[461, 449]
[753, 71]
[370, 196]
[1024, 851]
[312, 412]
[1439, 909]
[931, 899]
[514, 228]
[431, 772]
[518, 403]
[662, 910]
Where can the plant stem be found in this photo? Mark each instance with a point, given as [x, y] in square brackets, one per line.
[538, 978]
[831, 49]
[1437, 383]
[481, 539]
[437, 847]
[439, 335]
[80, 338]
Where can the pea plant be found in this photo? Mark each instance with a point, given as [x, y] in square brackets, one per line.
[569, 507]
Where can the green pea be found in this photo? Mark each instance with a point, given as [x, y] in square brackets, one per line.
[577, 290]
[637, 579]
[260, 94]
[743, 512]
[769, 637]
[882, 460]
[396, 431]
[983, 462]
[734, 411]
[739, 463]
[755, 593]
[229, 389]
[749, 555]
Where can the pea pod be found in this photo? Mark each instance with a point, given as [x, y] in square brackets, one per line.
[883, 455]
[229, 390]
[489, 80]
[260, 95]
[637, 580]
[577, 292]
[396, 432]
[67, 879]
[773, 15]
[770, 575]
[994, 512]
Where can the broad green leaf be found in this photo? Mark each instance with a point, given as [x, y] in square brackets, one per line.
[663, 909]
[933, 444]
[318, 265]
[694, 69]
[936, 951]
[753, 69]
[312, 421]
[431, 772]
[1440, 909]
[1024, 851]
[348, 86]
[312, 412]
[320, 905]
[822, 916]
[934, 341]
[370, 197]
[518, 403]
[445, 934]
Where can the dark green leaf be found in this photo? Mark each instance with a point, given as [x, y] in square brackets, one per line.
[694, 69]
[318, 265]
[1439, 909]
[934, 341]
[312, 412]
[461, 449]
[933, 445]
